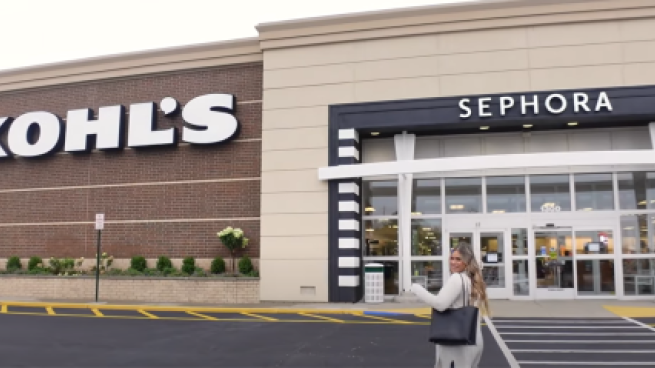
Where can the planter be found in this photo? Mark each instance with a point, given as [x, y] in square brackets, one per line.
[187, 290]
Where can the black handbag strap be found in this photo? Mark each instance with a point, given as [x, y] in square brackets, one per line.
[464, 291]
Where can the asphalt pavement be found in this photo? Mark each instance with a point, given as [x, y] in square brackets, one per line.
[99, 336]
[53, 340]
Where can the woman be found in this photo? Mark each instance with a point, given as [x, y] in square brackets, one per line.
[462, 261]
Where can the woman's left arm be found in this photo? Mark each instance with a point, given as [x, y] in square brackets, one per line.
[446, 296]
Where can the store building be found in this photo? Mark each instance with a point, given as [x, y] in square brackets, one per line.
[522, 127]
[166, 144]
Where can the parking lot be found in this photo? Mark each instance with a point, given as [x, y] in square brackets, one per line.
[606, 342]
[80, 338]
[131, 336]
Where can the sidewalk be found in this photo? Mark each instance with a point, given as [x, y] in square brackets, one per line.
[499, 308]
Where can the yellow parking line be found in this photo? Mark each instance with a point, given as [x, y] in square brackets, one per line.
[50, 310]
[149, 315]
[426, 316]
[202, 316]
[383, 319]
[322, 317]
[4, 308]
[97, 312]
[261, 317]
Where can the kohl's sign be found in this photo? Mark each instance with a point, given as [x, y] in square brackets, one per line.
[555, 104]
[209, 119]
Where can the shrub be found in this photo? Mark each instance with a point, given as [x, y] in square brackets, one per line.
[34, 263]
[218, 265]
[138, 263]
[163, 263]
[245, 265]
[13, 263]
[188, 265]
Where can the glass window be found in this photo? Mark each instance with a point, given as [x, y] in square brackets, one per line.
[595, 277]
[521, 277]
[426, 237]
[428, 274]
[636, 190]
[520, 242]
[506, 194]
[380, 197]
[638, 234]
[593, 192]
[426, 197]
[594, 242]
[492, 245]
[391, 273]
[554, 259]
[639, 276]
[464, 195]
[381, 238]
[550, 193]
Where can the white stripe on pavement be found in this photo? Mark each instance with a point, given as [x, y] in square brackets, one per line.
[578, 321]
[584, 351]
[641, 324]
[501, 344]
[585, 341]
[578, 327]
[616, 364]
[581, 333]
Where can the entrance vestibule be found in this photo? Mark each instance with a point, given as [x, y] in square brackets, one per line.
[551, 236]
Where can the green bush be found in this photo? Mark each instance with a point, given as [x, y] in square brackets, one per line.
[151, 272]
[139, 263]
[33, 263]
[218, 265]
[13, 263]
[189, 265]
[245, 265]
[163, 263]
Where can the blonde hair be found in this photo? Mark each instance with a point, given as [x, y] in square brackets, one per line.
[474, 271]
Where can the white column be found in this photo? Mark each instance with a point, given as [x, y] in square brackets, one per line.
[651, 128]
[404, 144]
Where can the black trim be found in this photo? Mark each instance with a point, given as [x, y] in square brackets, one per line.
[348, 143]
[349, 215]
[348, 160]
[349, 252]
[348, 234]
[333, 242]
[351, 293]
[349, 271]
[350, 197]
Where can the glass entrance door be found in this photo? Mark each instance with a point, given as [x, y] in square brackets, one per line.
[490, 251]
[554, 263]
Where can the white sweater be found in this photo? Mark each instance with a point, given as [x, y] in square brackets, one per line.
[451, 296]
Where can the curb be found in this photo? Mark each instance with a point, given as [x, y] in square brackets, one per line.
[185, 308]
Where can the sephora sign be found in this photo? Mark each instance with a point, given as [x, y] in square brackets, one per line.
[209, 120]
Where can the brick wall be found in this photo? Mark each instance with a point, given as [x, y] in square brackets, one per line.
[150, 290]
[157, 201]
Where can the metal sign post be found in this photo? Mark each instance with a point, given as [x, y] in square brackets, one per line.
[100, 224]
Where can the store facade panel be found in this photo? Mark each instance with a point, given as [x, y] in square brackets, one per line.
[454, 128]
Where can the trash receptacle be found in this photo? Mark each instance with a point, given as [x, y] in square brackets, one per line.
[374, 283]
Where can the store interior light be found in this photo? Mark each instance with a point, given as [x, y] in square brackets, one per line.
[527, 126]
[375, 133]
[369, 209]
[456, 206]
[498, 211]
[573, 123]
[484, 128]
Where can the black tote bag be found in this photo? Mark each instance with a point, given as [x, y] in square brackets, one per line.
[455, 326]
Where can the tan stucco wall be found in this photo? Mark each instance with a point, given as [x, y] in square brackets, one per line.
[300, 82]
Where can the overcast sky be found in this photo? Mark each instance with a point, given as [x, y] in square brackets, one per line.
[45, 31]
